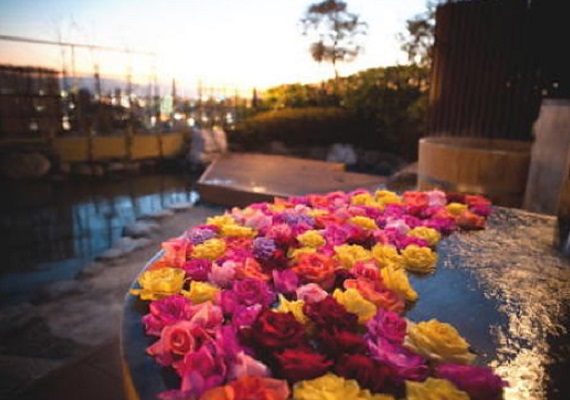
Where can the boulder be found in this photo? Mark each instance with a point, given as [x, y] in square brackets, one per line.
[16, 316]
[157, 215]
[57, 289]
[343, 153]
[181, 206]
[24, 165]
[141, 229]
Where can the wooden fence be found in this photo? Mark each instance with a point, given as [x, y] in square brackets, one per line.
[484, 80]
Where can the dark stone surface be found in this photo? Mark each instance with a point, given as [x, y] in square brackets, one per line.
[505, 289]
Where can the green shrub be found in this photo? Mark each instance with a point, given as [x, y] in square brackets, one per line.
[310, 126]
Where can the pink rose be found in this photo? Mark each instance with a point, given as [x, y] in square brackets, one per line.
[175, 339]
[201, 370]
[244, 316]
[436, 198]
[285, 281]
[207, 316]
[166, 312]
[311, 293]
[367, 270]
[245, 365]
[223, 275]
[387, 325]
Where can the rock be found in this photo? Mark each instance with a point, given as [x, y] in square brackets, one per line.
[157, 215]
[128, 244]
[125, 244]
[16, 316]
[181, 206]
[57, 289]
[95, 268]
[343, 153]
[140, 229]
[24, 165]
[143, 242]
[111, 254]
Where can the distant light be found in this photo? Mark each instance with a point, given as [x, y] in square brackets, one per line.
[65, 123]
[191, 121]
[153, 120]
[178, 116]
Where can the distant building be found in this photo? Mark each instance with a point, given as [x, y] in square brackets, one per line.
[30, 103]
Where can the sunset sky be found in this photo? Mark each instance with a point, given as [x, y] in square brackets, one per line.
[222, 43]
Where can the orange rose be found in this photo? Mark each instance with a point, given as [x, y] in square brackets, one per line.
[416, 199]
[376, 294]
[326, 219]
[251, 269]
[250, 388]
[469, 220]
[175, 253]
[314, 267]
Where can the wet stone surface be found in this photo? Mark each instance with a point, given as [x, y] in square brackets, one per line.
[506, 289]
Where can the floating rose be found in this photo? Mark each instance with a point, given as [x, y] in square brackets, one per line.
[307, 286]
[159, 283]
[434, 389]
[438, 341]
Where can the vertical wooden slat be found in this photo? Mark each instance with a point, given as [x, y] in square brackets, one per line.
[480, 46]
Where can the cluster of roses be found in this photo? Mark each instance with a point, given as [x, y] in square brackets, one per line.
[302, 298]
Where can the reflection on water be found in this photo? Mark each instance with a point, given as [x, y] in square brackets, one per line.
[51, 229]
[519, 272]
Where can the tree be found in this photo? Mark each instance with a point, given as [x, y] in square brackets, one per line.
[419, 40]
[335, 31]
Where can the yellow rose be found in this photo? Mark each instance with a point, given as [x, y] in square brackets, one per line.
[387, 197]
[333, 387]
[430, 235]
[438, 341]
[419, 259]
[387, 256]
[220, 220]
[201, 292]
[363, 222]
[363, 199]
[316, 212]
[353, 301]
[294, 254]
[295, 307]
[312, 239]
[348, 254]
[209, 249]
[434, 389]
[456, 208]
[397, 281]
[238, 231]
[159, 283]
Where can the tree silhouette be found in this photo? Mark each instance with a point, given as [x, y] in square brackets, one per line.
[335, 32]
[419, 40]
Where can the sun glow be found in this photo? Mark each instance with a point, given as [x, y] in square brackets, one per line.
[222, 44]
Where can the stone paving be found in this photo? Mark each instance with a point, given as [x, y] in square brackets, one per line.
[65, 344]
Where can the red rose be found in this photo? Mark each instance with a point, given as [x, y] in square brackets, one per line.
[336, 342]
[301, 364]
[328, 313]
[275, 330]
[366, 371]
